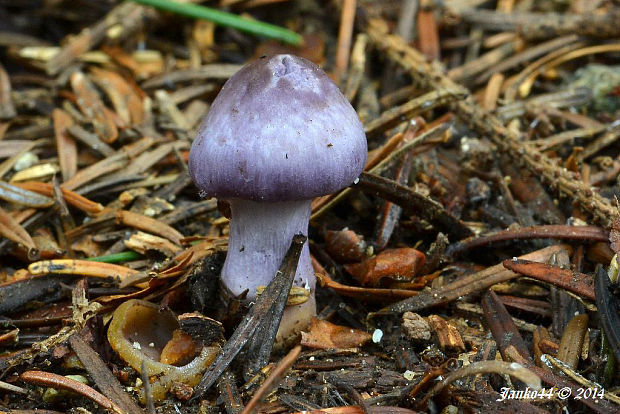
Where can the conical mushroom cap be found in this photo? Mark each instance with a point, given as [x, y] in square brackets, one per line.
[279, 129]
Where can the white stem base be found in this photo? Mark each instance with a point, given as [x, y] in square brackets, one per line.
[294, 320]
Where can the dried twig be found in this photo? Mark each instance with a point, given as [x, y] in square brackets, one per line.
[82, 312]
[128, 17]
[105, 380]
[588, 234]
[466, 285]
[546, 25]
[49, 379]
[345, 34]
[276, 375]
[431, 75]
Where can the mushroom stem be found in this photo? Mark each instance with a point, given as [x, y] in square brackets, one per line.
[260, 234]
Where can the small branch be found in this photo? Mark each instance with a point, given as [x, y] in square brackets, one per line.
[129, 17]
[431, 75]
[100, 373]
[47, 379]
[586, 234]
[410, 200]
[502, 327]
[488, 367]
[546, 25]
[276, 375]
[345, 34]
[465, 285]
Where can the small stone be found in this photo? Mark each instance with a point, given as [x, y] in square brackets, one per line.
[26, 161]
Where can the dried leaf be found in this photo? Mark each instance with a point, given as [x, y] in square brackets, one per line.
[449, 337]
[46, 244]
[147, 159]
[15, 194]
[326, 335]
[80, 267]
[74, 199]
[428, 35]
[400, 264]
[11, 229]
[93, 108]
[110, 164]
[126, 101]
[10, 148]
[170, 110]
[359, 293]
[572, 340]
[148, 224]
[143, 242]
[36, 172]
[7, 109]
[91, 140]
[87, 246]
[49, 379]
[345, 246]
[65, 145]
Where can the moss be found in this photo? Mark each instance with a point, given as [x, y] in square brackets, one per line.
[603, 80]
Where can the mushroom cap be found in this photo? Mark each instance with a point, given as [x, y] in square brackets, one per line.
[279, 130]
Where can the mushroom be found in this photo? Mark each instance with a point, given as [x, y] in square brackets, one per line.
[279, 133]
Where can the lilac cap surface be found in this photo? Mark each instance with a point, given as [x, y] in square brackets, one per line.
[279, 129]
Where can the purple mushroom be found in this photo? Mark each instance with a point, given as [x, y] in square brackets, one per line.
[279, 133]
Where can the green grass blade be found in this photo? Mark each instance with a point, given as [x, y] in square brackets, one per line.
[226, 19]
[117, 257]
